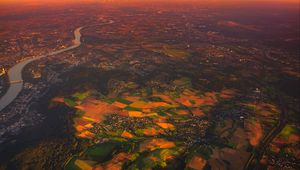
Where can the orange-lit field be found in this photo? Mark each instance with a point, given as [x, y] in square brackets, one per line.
[94, 111]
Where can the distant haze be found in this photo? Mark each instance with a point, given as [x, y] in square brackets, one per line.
[135, 1]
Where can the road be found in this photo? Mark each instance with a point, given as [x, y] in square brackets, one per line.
[15, 73]
[268, 139]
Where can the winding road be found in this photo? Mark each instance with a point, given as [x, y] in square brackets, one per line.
[268, 139]
[15, 73]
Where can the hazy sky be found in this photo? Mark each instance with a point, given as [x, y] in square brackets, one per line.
[6, 4]
[74, 1]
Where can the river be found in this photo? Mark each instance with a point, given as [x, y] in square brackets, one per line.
[15, 73]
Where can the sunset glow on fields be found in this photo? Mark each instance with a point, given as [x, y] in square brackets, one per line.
[149, 85]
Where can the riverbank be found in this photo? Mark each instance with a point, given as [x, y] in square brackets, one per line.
[15, 73]
[3, 84]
